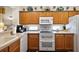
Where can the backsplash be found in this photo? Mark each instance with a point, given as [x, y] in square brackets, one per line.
[57, 27]
[32, 27]
[36, 27]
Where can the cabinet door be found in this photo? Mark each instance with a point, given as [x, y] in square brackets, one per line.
[59, 42]
[29, 17]
[33, 41]
[69, 42]
[56, 17]
[49, 14]
[4, 50]
[64, 18]
[77, 12]
[60, 17]
[15, 46]
[72, 13]
[2, 10]
[42, 14]
[34, 18]
[46, 14]
[24, 17]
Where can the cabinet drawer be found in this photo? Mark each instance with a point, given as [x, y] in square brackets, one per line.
[33, 35]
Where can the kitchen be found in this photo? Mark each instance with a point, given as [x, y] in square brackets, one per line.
[39, 28]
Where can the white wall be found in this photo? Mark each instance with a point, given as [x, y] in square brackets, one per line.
[11, 11]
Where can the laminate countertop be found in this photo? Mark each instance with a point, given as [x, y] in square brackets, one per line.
[54, 32]
[6, 39]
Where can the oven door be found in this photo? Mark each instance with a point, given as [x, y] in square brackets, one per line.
[47, 45]
[46, 35]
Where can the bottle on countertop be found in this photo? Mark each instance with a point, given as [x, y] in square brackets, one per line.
[13, 31]
[64, 27]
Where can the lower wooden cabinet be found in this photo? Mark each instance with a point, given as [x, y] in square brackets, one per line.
[4, 50]
[69, 42]
[14, 47]
[64, 42]
[59, 42]
[33, 42]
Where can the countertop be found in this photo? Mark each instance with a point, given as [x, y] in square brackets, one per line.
[6, 38]
[55, 32]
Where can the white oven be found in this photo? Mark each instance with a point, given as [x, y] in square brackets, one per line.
[46, 36]
[47, 41]
[47, 45]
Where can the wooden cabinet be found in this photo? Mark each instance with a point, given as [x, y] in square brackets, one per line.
[59, 42]
[56, 17]
[64, 42]
[60, 17]
[15, 46]
[69, 42]
[33, 42]
[2, 10]
[24, 17]
[33, 17]
[46, 14]
[72, 13]
[64, 18]
[28, 17]
[4, 49]
[77, 12]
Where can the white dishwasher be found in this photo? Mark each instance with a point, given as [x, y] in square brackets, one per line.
[23, 43]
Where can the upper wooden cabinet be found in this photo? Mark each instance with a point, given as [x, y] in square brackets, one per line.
[2, 10]
[28, 17]
[33, 17]
[77, 12]
[73, 13]
[46, 14]
[24, 17]
[60, 17]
